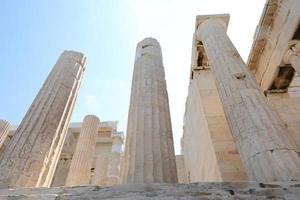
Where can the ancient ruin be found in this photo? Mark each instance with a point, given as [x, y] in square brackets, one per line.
[30, 158]
[258, 132]
[149, 151]
[82, 160]
[100, 164]
[240, 132]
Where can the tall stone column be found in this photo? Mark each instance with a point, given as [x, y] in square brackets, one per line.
[292, 55]
[80, 169]
[266, 151]
[149, 151]
[115, 160]
[32, 155]
[4, 130]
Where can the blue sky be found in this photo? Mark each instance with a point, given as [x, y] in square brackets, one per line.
[34, 33]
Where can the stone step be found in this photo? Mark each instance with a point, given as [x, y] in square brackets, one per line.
[213, 190]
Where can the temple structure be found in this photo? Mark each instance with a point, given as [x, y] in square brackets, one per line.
[240, 134]
[273, 60]
[209, 150]
[149, 151]
[102, 157]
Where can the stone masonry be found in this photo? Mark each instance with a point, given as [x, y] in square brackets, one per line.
[4, 130]
[255, 126]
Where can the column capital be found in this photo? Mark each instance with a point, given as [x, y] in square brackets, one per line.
[203, 20]
[77, 56]
[148, 46]
[293, 49]
[91, 117]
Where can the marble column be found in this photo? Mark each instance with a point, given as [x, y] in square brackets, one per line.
[292, 55]
[113, 173]
[149, 151]
[32, 155]
[268, 154]
[4, 130]
[80, 169]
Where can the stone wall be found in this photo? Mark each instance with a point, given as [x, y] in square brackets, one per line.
[287, 106]
[209, 150]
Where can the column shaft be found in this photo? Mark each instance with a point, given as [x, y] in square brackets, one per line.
[4, 130]
[149, 151]
[32, 154]
[80, 169]
[266, 151]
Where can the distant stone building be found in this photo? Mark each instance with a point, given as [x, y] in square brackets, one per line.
[107, 155]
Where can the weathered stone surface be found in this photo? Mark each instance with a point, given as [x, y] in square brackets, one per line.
[149, 151]
[274, 58]
[277, 26]
[210, 152]
[4, 130]
[225, 190]
[288, 111]
[80, 169]
[181, 172]
[266, 151]
[114, 167]
[32, 155]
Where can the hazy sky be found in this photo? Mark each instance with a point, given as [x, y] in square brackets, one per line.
[33, 33]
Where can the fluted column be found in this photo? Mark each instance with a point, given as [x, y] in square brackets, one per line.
[32, 155]
[4, 130]
[149, 151]
[266, 151]
[115, 160]
[80, 169]
[292, 55]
